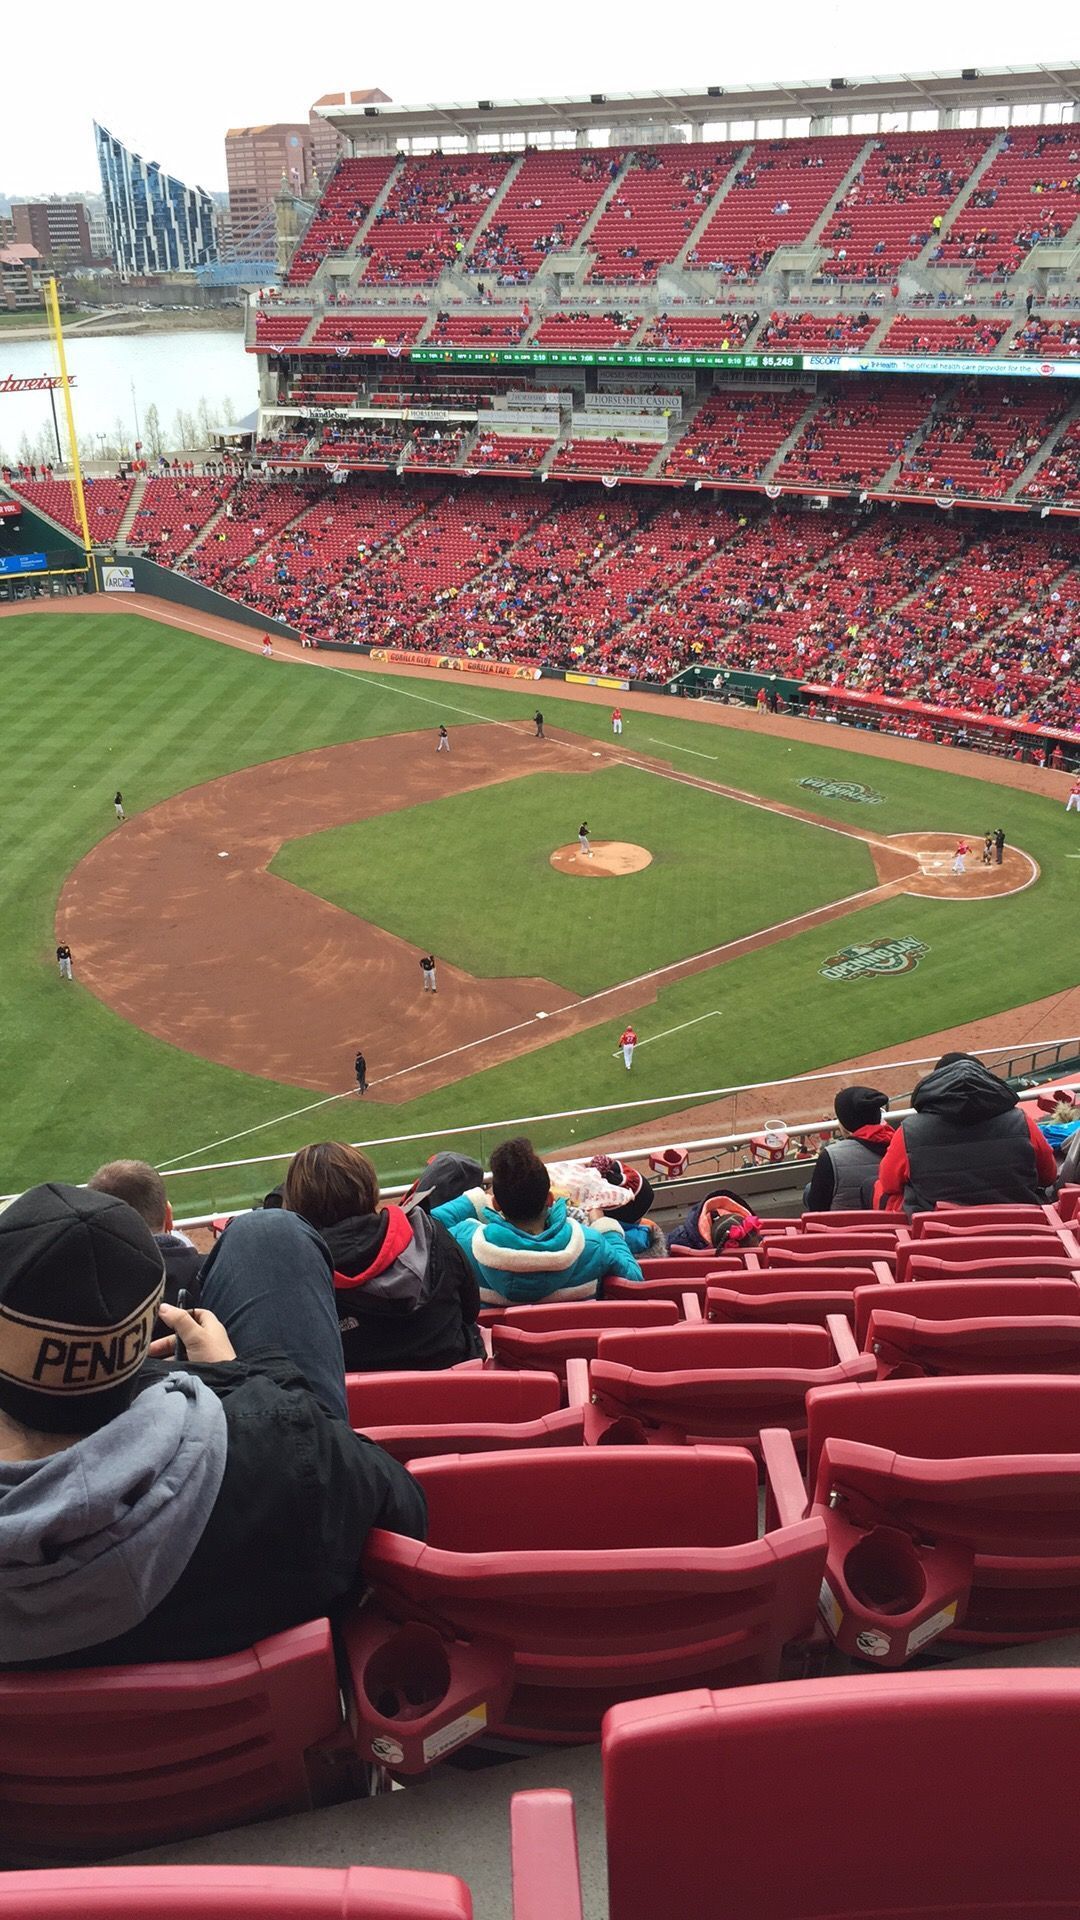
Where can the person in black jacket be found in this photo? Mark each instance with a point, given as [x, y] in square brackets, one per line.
[406, 1295]
[149, 1511]
[144, 1189]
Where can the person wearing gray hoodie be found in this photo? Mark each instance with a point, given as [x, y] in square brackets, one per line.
[152, 1511]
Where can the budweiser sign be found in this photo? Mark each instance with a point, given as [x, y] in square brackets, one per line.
[37, 383]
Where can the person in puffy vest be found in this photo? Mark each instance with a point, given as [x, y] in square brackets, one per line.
[969, 1141]
[526, 1248]
[846, 1169]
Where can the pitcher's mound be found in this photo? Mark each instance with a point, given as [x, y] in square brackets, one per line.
[608, 859]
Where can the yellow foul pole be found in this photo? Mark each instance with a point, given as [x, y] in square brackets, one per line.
[52, 308]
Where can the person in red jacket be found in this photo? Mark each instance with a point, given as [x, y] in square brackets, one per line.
[969, 1142]
[628, 1041]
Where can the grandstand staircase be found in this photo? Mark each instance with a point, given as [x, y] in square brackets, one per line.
[1043, 454]
[957, 206]
[202, 533]
[772, 466]
[813, 238]
[123, 531]
[889, 477]
[508, 179]
[603, 203]
[359, 240]
[711, 205]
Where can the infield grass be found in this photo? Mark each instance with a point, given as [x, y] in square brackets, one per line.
[471, 876]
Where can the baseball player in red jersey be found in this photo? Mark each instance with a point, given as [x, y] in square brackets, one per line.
[958, 857]
[1072, 804]
[628, 1041]
[616, 721]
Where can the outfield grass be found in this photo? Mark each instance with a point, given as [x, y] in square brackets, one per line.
[95, 702]
[470, 877]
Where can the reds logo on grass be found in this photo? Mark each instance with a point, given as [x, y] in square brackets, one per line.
[899, 955]
[845, 790]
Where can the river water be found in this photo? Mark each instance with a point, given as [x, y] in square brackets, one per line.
[173, 371]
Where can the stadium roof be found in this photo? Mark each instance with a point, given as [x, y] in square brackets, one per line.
[810, 99]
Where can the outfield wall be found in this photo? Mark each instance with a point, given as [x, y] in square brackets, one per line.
[184, 592]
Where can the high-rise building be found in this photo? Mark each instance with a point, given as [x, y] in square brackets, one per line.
[328, 145]
[156, 223]
[59, 229]
[257, 159]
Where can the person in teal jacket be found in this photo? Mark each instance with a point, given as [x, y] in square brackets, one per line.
[525, 1249]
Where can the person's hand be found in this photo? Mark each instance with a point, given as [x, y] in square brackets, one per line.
[205, 1339]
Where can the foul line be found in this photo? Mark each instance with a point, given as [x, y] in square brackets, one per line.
[715, 1014]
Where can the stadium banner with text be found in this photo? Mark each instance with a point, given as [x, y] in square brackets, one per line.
[23, 563]
[752, 362]
[599, 357]
[118, 579]
[596, 680]
[454, 663]
[10, 509]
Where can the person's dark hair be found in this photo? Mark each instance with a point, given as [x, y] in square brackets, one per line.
[520, 1182]
[138, 1184]
[330, 1182]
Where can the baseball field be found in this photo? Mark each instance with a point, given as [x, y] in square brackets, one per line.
[294, 842]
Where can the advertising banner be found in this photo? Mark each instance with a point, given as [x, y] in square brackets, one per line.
[118, 579]
[596, 680]
[454, 663]
[23, 563]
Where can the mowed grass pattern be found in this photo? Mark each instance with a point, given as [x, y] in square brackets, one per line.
[471, 876]
[94, 702]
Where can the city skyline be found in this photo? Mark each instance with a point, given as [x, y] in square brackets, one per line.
[223, 73]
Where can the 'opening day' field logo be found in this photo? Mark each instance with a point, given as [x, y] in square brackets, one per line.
[845, 790]
[877, 956]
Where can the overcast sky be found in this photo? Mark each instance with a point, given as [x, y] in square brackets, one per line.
[169, 81]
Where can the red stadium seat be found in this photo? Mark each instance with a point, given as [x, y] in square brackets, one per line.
[685, 1266]
[952, 1507]
[909, 1346]
[945, 1221]
[819, 1249]
[809, 1307]
[956, 1299]
[109, 1759]
[965, 1249]
[926, 1266]
[606, 1574]
[716, 1382]
[869, 1797]
[852, 1217]
[469, 1409]
[234, 1893]
[547, 1337]
[1068, 1203]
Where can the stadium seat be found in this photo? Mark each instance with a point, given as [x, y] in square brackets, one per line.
[842, 1219]
[958, 1299]
[1068, 1203]
[945, 1222]
[108, 1759]
[965, 1249]
[927, 1266]
[818, 1250]
[234, 1893]
[723, 1382]
[952, 1507]
[869, 1797]
[687, 1265]
[809, 1306]
[467, 1409]
[909, 1345]
[546, 1337]
[606, 1573]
